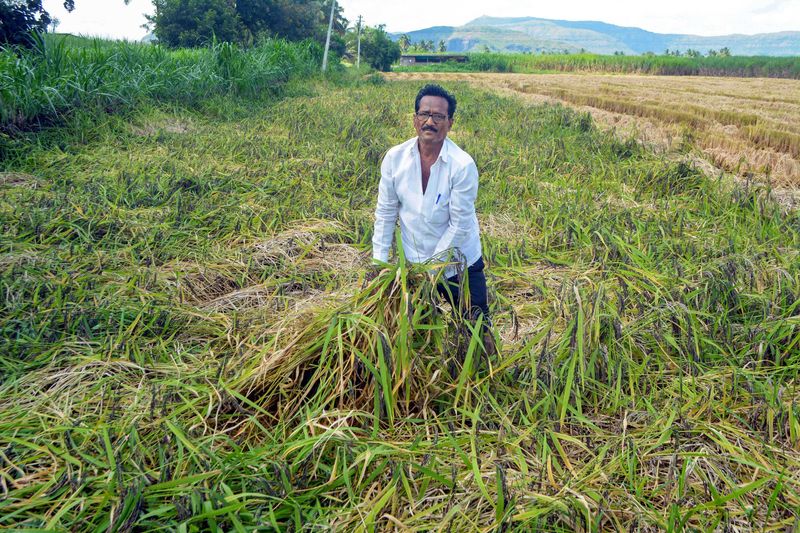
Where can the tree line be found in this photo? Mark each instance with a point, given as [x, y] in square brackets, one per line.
[424, 45]
[193, 23]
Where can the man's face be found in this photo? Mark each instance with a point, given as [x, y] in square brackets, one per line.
[428, 129]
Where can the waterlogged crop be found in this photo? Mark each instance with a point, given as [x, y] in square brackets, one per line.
[189, 341]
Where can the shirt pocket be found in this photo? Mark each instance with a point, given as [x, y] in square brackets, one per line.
[440, 213]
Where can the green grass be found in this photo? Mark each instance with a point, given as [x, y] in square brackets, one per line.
[64, 76]
[739, 66]
[188, 341]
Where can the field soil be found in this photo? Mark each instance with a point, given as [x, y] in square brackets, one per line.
[747, 126]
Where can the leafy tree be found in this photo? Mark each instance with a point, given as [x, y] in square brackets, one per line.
[725, 52]
[693, 53]
[279, 18]
[19, 19]
[290, 19]
[187, 23]
[293, 20]
[442, 46]
[377, 49]
[195, 22]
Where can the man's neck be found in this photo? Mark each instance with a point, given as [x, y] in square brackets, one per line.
[429, 151]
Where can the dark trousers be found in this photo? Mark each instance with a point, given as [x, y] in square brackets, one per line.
[478, 298]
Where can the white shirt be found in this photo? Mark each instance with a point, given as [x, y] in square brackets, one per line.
[435, 223]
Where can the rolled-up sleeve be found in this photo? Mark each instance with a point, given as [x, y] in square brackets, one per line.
[463, 193]
[385, 213]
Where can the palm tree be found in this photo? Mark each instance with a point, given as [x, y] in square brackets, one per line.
[405, 42]
[442, 46]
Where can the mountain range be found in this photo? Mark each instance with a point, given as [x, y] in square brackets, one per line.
[531, 34]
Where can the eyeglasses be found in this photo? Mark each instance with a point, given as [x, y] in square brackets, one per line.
[424, 116]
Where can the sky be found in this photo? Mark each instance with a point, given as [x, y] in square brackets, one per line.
[112, 18]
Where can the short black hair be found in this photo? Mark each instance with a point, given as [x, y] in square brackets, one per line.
[436, 90]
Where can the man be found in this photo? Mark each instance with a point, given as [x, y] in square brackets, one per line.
[431, 184]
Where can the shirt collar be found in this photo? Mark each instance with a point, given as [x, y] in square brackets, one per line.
[443, 153]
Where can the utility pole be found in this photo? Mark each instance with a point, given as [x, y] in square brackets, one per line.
[328, 38]
[358, 55]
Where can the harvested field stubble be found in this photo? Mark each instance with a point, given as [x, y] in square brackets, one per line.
[188, 340]
[743, 125]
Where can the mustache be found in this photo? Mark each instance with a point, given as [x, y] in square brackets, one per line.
[429, 128]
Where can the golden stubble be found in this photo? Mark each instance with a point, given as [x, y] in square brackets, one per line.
[746, 126]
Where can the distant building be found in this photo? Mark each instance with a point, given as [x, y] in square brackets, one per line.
[416, 59]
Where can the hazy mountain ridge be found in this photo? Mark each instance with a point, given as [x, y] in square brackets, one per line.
[531, 34]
